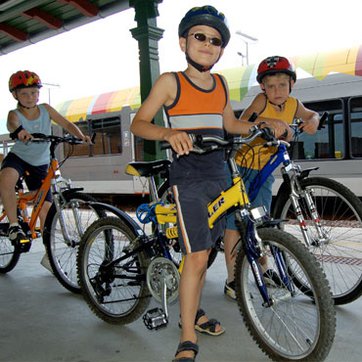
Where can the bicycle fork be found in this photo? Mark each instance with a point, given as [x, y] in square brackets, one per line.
[297, 195]
[253, 249]
[69, 241]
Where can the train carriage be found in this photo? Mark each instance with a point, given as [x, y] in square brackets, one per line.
[326, 82]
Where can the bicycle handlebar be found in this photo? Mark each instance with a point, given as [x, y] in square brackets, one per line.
[201, 143]
[322, 123]
[40, 137]
[322, 120]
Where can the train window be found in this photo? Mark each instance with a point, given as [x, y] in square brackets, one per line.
[327, 142]
[79, 150]
[108, 135]
[356, 126]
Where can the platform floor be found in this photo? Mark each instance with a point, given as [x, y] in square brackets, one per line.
[43, 322]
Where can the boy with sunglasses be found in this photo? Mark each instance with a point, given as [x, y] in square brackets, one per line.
[195, 102]
[276, 76]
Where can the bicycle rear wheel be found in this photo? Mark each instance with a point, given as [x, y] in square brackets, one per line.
[340, 251]
[77, 214]
[117, 294]
[9, 254]
[296, 326]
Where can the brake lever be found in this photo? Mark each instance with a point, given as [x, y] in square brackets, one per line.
[322, 120]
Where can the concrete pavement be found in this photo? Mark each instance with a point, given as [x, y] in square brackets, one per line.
[43, 322]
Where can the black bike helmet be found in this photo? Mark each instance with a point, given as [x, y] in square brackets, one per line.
[205, 15]
[273, 65]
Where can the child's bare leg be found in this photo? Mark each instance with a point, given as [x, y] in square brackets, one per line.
[8, 179]
[191, 283]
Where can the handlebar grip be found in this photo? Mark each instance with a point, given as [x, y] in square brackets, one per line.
[322, 120]
[38, 135]
[268, 134]
[165, 145]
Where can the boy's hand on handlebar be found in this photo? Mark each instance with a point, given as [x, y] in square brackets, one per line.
[179, 141]
[24, 136]
[281, 129]
[309, 126]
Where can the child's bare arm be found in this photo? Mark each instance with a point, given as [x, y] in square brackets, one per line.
[67, 125]
[162, 93]
[310, 119]
[14, 127]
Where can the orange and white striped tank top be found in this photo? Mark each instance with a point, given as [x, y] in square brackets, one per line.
[197, 111]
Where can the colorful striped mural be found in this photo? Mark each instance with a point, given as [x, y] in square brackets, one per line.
[78, 109]
[318, 65]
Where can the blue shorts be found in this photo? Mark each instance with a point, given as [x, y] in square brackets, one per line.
[264, 196]
[192, 215]
[33, 175]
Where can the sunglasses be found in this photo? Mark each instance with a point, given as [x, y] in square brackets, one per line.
[202, 38]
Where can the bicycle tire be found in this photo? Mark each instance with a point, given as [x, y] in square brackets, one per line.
[9, 254]
[340, 212]
[296, 327]
[166, 196]
[62, 257]
[119, 296]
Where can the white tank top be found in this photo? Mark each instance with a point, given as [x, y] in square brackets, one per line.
[35, 154]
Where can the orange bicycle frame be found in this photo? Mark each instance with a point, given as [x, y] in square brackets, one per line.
[37, 198]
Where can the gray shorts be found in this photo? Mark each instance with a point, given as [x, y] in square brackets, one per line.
[192, 215]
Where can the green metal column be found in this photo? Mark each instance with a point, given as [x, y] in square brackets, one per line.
[148, 34]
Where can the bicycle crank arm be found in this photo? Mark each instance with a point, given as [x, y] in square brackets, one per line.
[158, 318]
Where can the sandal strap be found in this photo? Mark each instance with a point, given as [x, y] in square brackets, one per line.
[210, 324]
[200, 313]
[188, 346]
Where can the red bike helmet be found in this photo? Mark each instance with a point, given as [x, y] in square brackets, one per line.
[274, 65]
[205, 15]
[24, 79]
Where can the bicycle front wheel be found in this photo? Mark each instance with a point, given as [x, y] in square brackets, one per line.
[338, 244]
[62, 233]
[9, 254]
[296, 326]
[115, 290]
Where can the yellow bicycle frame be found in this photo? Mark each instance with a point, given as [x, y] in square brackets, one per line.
[234, 196]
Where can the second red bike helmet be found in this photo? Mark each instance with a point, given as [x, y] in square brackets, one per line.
[273, 65]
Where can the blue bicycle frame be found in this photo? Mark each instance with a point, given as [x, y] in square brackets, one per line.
[280, 156]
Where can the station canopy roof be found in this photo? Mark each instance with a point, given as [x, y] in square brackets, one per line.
[25, 22]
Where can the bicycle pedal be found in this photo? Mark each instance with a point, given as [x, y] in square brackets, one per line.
[155, 319]
[25, 245]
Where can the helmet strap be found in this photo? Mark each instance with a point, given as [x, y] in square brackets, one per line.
[280, 106]
[199, 67]
[21, 105]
